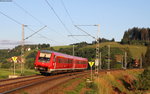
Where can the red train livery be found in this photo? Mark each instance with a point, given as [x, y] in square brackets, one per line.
[51, 62]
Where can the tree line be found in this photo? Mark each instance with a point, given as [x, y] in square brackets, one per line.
[140, 36]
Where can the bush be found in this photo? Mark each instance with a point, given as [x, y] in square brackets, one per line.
[94, 88]
[6, 64]
[29, 63]
[143, 83]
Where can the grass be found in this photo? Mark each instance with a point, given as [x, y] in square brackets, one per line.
[58, 47]
[93, 88]
[4, 73]
[77, 89]
[110, 82]
[69, 82]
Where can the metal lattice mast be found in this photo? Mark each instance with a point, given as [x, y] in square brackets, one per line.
[97, 60]
[22, 44]
[97, 51]
[22, 50]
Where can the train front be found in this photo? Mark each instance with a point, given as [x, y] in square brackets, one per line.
[43, 61]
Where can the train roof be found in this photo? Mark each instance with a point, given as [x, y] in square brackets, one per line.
[62, 54]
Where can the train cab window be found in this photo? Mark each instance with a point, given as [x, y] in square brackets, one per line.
[44, 57]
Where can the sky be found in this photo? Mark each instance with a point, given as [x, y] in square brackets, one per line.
[60, 16]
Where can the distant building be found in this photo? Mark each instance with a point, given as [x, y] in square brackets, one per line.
[28, 49]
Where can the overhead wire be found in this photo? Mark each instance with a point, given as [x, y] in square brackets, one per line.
[44, 36]
[27, 12]
[59, 18]
[11, 18]
[23, 9]
[20, 23]
[63, 4]
[67, 12]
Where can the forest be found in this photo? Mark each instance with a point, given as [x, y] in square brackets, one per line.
[137, 36]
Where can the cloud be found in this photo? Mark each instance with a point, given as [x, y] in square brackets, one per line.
[11, 42]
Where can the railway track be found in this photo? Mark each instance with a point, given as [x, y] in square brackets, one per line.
[41, 84]
[11, 80]
[7, 84]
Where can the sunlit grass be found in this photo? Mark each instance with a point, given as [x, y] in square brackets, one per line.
[113, 79]
[4, 73]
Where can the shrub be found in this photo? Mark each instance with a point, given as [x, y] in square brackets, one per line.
[143, 83]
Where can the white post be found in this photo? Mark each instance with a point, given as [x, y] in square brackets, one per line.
[108, 57]
[125, 60]
[14, 69]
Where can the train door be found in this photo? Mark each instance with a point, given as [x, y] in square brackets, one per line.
[58, 62]
[54, 62]
[74, 64]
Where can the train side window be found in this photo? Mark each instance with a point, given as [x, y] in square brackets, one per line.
[59, 60]
[77, 62]
[70, 60]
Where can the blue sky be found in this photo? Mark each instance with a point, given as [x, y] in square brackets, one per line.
[114, 17]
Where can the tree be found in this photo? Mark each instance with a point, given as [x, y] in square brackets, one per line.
[136, 36]
[113, 40]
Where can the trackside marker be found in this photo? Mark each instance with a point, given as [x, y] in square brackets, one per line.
[14, 58]
[91, 64]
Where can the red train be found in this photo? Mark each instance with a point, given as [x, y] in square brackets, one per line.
[54, 62]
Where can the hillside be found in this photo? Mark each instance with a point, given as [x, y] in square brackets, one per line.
[136, 50]
[81, 50]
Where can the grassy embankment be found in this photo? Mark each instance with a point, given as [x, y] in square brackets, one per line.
[116, 82]
[4, 73]
[119, 82]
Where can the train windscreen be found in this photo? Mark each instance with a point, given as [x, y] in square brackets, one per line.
[44, 57]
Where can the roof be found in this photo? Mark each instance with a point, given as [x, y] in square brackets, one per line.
[62, 54]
